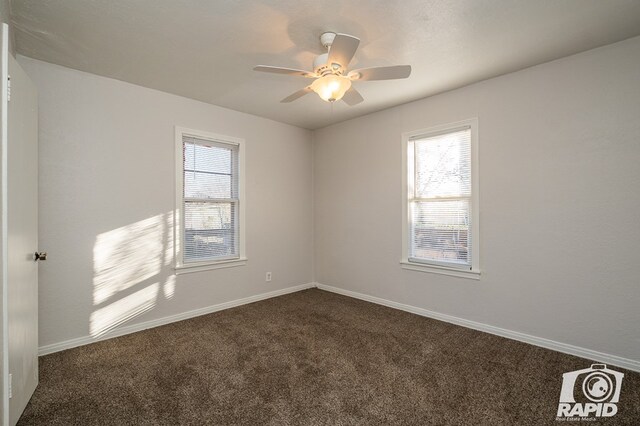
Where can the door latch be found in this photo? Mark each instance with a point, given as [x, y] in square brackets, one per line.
[42, 255]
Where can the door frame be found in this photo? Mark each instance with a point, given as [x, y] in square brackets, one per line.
[4, 75]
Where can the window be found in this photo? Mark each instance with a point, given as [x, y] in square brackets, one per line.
[210, 205]
[440, 209]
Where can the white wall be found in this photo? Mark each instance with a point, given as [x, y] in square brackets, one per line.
[559, 200]
[107, 183]
[5, 16]
[4, 11]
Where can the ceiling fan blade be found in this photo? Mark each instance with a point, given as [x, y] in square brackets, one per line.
[352, 97]
[342, 49]
[300, 93]
[285, 71]
[381, 73]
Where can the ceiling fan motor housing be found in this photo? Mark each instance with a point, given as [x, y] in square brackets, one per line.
[320, 65]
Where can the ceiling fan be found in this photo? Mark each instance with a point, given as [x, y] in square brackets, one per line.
[332, 81]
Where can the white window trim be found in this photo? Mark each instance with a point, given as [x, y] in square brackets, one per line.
[406, 262]
[178, 235]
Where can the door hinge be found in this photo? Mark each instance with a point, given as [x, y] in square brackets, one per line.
[10, 385]
[8, 88]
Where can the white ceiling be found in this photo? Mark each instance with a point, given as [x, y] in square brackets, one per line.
[206, 49]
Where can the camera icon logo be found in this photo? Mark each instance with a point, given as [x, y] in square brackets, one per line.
[590, 392]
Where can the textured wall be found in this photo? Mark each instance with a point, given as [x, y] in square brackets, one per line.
[559, 202]
[107, 193]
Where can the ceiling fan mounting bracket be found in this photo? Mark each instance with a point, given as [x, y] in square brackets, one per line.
[326, 39]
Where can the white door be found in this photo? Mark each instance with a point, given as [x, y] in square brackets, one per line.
[20, 151]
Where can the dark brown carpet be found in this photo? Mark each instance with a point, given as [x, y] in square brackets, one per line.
[309, 358]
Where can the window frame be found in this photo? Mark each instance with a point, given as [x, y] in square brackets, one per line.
[178, 235]
[434, 267]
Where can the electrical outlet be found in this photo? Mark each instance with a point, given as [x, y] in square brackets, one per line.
[268, 277]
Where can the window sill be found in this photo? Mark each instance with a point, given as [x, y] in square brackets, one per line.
[186, 269]
[442, 270]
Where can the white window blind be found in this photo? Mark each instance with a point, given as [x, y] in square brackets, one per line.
[211, 200]
[440, 198]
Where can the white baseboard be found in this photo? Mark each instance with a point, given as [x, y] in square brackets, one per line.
[128, 329]
[629, 364]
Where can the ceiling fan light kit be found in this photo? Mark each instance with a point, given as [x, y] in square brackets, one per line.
[332, 81]
[331, 87]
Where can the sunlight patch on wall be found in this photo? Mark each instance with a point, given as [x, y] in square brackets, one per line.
[118, 312]
[169, 287]
[169, 249]
[128, 255]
